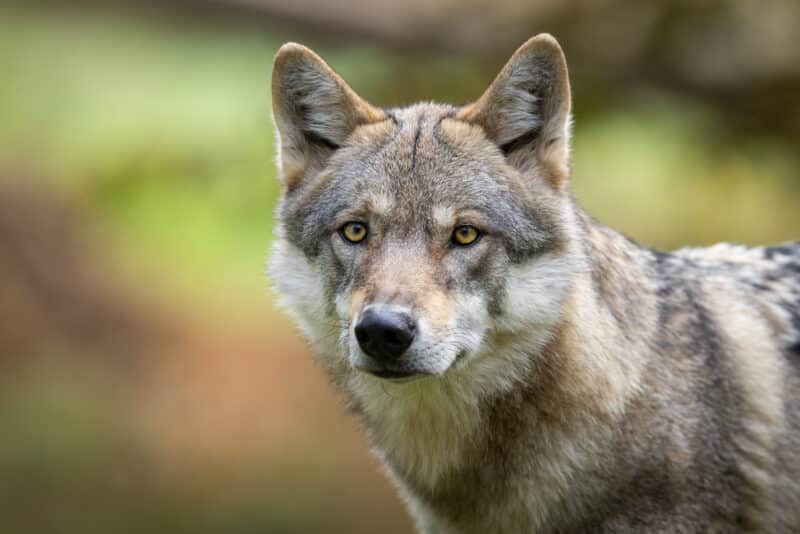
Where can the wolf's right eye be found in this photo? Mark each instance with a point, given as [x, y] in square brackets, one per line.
[353, 231]
[465, 235]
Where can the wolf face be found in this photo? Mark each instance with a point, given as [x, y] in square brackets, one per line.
[400, 229]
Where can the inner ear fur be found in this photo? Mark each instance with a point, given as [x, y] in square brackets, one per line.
[526, 109]
[314, 109]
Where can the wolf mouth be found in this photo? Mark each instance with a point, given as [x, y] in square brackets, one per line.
[396, 376]
[402, 376]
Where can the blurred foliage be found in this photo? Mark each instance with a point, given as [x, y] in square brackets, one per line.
[142, 145]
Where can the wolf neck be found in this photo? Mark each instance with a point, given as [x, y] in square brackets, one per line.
[552, 400]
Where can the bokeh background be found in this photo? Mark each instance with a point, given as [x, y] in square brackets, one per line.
[148, 382]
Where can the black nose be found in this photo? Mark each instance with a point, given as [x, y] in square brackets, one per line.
[385, 335]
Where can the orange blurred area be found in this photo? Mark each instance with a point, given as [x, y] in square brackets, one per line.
[148, 380]
[125, 411]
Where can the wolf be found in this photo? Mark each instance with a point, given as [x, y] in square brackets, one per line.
[518, 366]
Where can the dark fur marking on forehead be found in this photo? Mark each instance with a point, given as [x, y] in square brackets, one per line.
[415, 145]
[378, 147]
[435, 127]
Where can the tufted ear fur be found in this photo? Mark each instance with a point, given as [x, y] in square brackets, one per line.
[526, 109]
[314, 110]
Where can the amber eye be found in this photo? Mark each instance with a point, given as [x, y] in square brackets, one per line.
[354, 231]
[465, 235]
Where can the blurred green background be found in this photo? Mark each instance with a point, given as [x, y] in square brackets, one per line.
[148, 382]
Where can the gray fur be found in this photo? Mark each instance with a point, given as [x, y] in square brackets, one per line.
[569, 380]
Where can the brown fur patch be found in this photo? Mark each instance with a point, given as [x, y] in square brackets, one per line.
[373, 132]
[438, 308]
[413, 283]
[293, 173]
[463, 134]
[357, 302]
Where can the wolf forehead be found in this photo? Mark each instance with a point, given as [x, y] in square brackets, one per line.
[416, 171]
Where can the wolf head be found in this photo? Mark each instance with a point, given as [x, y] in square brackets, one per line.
[411, 242]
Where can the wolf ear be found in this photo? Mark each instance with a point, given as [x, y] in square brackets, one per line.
[525, 111]
[314, 110]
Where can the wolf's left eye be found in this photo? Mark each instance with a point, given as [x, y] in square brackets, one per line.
[354, 231]
[465, 235]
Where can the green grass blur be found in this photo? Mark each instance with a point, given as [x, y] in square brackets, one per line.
[155, 133]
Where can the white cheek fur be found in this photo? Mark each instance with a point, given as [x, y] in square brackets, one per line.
[301, 290]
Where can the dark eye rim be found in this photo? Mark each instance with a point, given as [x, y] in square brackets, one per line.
[455, 243]
[349, 241]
